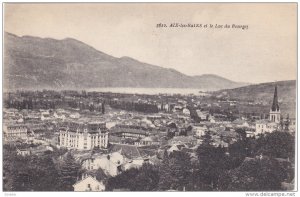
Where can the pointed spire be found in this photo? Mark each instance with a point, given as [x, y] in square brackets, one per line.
[275, 105]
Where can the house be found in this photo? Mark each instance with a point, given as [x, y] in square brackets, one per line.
[177, 108]
[199, 130]
[148, 141]
[203, 115]
[265, 126]
[135, 163]
[186, 111]
[75, 115]
[250, 133]
[36, 150]
[176, 147]
[240, 123]
[59, 116]
[128, 151]
[186, 140]
[40, 150]
[89, 183]
[109, 163]
[23, 152]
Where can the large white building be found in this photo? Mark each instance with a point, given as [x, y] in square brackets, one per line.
[15, 132]
[83, 136]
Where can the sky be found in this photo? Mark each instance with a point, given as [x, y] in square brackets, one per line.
[264, 52]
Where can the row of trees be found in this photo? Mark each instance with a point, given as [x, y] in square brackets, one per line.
[30, 104]
[133, 106]
[52, 104]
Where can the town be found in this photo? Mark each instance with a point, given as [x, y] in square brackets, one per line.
[102, 141]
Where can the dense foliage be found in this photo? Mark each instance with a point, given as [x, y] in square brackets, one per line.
[247, 165]
[38, 173]
[144, 179]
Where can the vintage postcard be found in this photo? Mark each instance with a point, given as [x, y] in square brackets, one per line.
[149, 97]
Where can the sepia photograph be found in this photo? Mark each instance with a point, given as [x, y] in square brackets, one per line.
[149, 97]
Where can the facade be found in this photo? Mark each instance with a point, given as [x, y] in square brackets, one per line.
[87, 184]
[203, 115]
[149, 141]
[265, 126]
[130, 132]
[199, 130]
[275, 111]
[83, 136]
[110, 163]
[23, 152]
[15, 132]
[240, 123]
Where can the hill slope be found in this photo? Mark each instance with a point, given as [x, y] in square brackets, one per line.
[263, 93]
[32, 62]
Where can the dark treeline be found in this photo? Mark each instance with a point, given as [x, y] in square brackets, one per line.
[34, 104]
[134, 106]
[96, 105]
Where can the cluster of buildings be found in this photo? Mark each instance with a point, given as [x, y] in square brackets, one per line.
[127, 139]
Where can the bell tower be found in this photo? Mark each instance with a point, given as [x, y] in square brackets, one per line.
[275, 111]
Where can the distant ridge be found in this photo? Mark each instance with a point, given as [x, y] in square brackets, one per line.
[263, 93]
[37, 63]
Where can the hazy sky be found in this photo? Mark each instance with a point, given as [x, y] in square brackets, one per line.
[266, 51]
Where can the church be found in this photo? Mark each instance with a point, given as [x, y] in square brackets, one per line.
[271, 124]
[274, 115]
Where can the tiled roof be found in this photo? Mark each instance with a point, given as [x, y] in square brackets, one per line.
[128, 151]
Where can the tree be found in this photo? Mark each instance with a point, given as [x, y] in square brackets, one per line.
[29, 173]
[241, 132]
[237, 153]
[100, 174]
[68, 173]
[211, 162]
[277, 144]
[180, 167]
[165, 174]
[43, 173]
[102, 108]
[175, 171]
[125, 180]
[255, 175]
[147, 178]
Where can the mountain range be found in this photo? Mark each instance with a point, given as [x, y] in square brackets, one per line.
[46, 63]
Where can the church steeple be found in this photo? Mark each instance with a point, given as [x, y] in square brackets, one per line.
[275, 111]
[275, 105]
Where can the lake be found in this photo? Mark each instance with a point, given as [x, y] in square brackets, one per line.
[151, 91]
